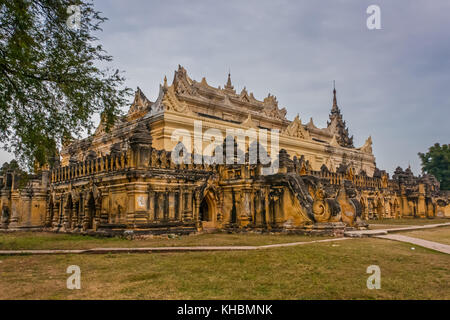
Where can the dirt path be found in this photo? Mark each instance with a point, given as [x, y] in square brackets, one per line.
[162, 249]
[379, 233]
[420, 242]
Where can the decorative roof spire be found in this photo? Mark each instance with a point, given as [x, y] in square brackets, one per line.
[229, 85]
[337, 124]
[165, 86]
[140, 101]
[335, 108]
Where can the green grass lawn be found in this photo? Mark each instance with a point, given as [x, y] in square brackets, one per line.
[40, 240]
[441, 234]
[332, 270]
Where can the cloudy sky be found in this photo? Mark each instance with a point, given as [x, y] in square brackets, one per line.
[392, 84]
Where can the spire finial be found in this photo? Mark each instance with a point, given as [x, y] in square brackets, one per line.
[335, 107]
[229, 85]
[165, 86]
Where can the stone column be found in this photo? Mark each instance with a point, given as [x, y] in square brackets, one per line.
[151, 206]
[266, 207]
[161, 206]
[421, 206]
[5, 209]
[188, 206]
[405, 209]
[81, 204]
[60, 218]
[130, 205]
[106, 206]
[280, 217]
[220, 206]
[197, 208]
[245, 216]
[66, 215]
[48, 215]
[156, 208]
[98, 212]
[85, 220]
[55, 220]
[430, 210]
[26, 197]
[14, 222]
[171, 205]
[75, 214]
[258, 219]
[180, 205]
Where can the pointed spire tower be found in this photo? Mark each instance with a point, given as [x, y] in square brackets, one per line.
[335, 108]
[337, 124]
[229, 86]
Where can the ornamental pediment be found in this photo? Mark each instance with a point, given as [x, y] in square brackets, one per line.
[297, 130]
[249, 123]
[140, 106]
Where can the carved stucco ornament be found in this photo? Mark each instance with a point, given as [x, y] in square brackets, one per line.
[330, 164]
[334, 142]
[249, 122]
[311, 124]
[271, 109]
[296, 129]
[167, 101]
[140, 106]
[246, 97]
[320, 209]
[171, 102]
[367, 147]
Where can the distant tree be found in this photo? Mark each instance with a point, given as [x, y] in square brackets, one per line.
[437, 162]
[12, 166]
[20, 174]
[52, 76]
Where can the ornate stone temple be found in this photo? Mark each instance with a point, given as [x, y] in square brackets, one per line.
[126, 178]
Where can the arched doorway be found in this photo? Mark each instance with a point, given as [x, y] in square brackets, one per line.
[208, 211]
[204, 214]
